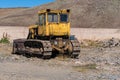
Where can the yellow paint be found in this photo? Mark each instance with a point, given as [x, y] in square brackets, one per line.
[52, 28]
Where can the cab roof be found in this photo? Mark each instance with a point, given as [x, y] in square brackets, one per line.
[54, 11]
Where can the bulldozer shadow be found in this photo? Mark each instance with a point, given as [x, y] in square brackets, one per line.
[40, 56]
[29, 55]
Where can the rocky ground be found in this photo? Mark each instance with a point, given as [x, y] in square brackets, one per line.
[94, 63]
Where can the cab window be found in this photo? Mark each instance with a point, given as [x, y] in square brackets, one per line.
[42, 19]
[52, 17]
[63, 17]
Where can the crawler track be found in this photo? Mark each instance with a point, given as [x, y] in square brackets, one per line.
[33, 47]
[42, 48]
[39, 47]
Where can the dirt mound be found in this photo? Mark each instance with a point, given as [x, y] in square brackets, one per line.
[84, 13]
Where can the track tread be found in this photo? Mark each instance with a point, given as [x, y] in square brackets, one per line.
[47, 49]
[76, 48]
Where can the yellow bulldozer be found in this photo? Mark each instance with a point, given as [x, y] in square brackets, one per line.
[50, 36]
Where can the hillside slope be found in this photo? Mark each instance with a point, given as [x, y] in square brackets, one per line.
[84, 13]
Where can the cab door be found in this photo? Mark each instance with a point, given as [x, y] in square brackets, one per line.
[42, 24]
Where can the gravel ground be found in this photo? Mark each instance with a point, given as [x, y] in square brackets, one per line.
[105, 65]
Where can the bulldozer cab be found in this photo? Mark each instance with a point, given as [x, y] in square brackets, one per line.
[54, 22]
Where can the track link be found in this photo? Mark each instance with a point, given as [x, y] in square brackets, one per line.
[47, 49]
[76, 48]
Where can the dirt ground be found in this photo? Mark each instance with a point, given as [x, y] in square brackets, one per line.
[93, 64]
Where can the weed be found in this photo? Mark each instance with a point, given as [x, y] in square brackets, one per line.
[5, 38]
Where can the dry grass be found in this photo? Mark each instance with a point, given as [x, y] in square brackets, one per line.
[90, 43]
[84, 68]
